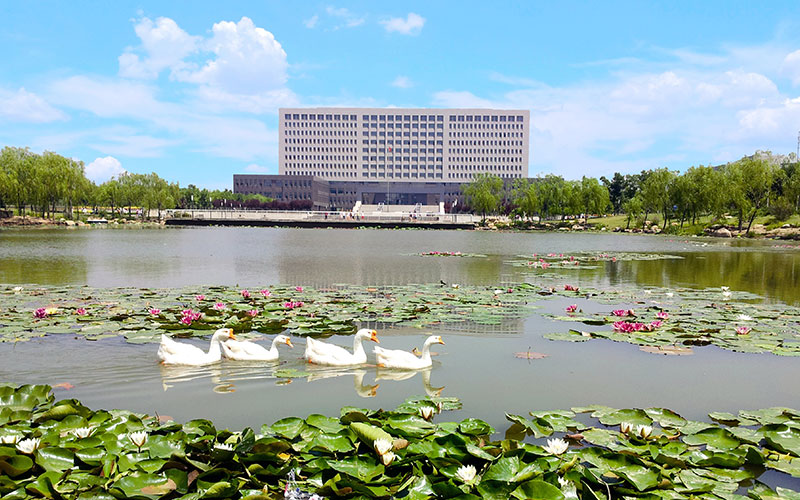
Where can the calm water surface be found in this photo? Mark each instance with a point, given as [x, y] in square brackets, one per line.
[477, 364]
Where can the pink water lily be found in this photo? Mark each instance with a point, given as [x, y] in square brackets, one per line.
[80, 311]
[245, 294]
[200, 297]
[657, 323]
[191, 314]
[571, 288]
[572, 308]
[743, 330]
[219, 306]
[293, 305]
[253, 313]
[265, 293]
[623, 312]
[154, 311]
[186, 320]
[40, 313]
[628, 327]
[298, 288]
[662, 315]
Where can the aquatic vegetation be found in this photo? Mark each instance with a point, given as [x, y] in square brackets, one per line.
[362, 453]
[696, 318]
[141, 315]
[582, 260]
[436, 253]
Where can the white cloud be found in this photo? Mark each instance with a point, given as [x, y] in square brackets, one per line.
[27, 107]
[311, 22]
[132, 145]
[402, 82]
[165, 46]
[637, 120]
[257, 169]
[107, 97]
[102, 169]
[411, 25]
[347, 18]
[791, 67]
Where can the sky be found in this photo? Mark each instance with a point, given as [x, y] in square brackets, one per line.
[190, 90]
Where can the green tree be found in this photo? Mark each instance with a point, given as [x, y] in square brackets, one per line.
[656, 192]
[526, 197]
[484, 193]
[592, 196]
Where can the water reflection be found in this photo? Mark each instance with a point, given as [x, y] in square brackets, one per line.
[363, 390]
[398, 375]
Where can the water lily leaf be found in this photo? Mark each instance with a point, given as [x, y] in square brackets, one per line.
[52, 458]
[510, 470]
[783, 438]
[538, 427]
[537, 489]
[631, 416]
[791, 467]
[142, 484]
[363, 468]
[323, 423]
[90, 456]
[410, 425]
[494, 490]
[475, 427]
[289, 427]
[715, 438]
[331, 443]
[15, 465]
[221, 489]
[665, 417]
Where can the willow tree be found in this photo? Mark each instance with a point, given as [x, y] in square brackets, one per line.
[526, 197]
[592, 196]
[484, 193]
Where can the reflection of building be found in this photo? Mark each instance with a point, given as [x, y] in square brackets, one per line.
[392, 155]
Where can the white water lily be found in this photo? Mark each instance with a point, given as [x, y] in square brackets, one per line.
[556, 446]
[625, 427]
[744, 317]
[644, 431]
[648, 292]
[82, 432]
[669, 294]
[466, 473]
[568, 488]
[17, 288]
[725, 288]
[382, 446]
[223, 447]
[9, 439]
[498, 292]
[138, 438]
[426, 412]
[726, 294]
[28, 446]
[388, 458]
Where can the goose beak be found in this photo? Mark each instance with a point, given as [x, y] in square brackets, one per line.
[374, 337]
[441, 341]
[230, 334]
[289, 342]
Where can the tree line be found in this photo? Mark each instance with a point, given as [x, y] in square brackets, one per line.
[755, 185]
[47, 183]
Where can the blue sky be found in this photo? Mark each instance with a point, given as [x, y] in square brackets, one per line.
[190, 90]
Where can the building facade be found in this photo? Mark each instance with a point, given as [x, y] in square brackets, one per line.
[402, 144]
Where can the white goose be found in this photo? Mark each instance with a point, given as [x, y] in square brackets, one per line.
[323, 353]
[177, 353]
[243, 350]
[405, 360]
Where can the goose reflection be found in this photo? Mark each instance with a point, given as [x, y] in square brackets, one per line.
[221, 375]
[363, 390]
[398, 375]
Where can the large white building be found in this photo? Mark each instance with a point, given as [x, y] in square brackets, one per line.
[403, 144]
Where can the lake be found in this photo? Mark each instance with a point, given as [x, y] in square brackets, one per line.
[477, 364]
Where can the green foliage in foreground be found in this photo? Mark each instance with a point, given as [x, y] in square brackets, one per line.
[62, 449]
